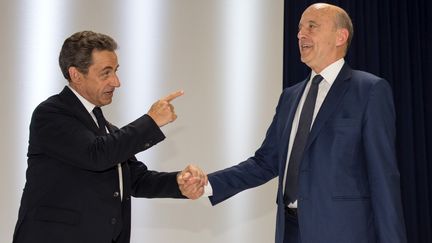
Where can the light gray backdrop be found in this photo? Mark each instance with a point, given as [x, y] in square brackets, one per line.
[225, 54]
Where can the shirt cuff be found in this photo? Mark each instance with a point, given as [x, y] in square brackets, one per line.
[208, 190]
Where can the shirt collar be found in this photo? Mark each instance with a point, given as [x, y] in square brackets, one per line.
[89, 106]
[331, 72]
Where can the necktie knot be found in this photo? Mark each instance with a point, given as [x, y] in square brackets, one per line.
[317, 79]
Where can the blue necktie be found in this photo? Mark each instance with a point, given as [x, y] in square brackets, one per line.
[291, 186]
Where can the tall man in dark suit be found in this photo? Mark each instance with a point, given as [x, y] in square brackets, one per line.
[332, 145]
[81, 169]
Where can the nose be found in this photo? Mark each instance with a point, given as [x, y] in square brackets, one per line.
[115, 81]
[300, 34]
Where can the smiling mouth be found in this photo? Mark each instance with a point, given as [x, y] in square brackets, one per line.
[305, 46]
[110, 92]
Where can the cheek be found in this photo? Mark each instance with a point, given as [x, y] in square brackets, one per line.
[324, 48]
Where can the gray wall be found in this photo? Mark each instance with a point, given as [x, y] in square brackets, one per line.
[225, 54]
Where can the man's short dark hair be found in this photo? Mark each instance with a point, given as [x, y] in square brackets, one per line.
[78, 48]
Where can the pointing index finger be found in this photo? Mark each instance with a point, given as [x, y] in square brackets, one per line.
[173, 95]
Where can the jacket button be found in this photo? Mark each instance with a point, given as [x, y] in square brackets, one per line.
[146, 145]
[113, 221]
[116, 194]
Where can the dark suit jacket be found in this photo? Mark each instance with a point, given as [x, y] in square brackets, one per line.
[349, 187]
[72, 188]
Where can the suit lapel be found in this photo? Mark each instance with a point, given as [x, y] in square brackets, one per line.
[78, 108]
[330, 104]
[289, 106]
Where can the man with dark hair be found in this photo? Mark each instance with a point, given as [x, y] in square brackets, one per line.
[82, 170]
[332, 145]
[77, 50]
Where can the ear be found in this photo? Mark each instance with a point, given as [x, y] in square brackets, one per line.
[74, 74]
[342, 37]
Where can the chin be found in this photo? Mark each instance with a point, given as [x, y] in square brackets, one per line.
[107, 102]
[303, 60]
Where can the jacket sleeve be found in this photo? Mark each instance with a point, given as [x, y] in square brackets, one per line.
[59, 134]
[152, 184]
[255, 171]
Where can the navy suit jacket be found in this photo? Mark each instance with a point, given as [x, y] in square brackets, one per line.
[72, 188]
[349, 189]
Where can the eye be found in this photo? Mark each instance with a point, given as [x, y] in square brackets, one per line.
[105, 74]
[309, 27]
[312, 26]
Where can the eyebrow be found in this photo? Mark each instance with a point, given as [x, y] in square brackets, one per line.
[110, 68]
[310, 22]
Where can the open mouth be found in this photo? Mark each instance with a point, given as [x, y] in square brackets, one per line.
[305, 46]
[110, 92]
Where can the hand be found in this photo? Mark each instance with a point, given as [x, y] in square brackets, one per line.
[162, 112]
[191, 182]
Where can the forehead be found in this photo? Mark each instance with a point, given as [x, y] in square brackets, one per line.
[317, 14]
[104, 59]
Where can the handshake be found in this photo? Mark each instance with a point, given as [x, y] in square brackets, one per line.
[191, 181]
